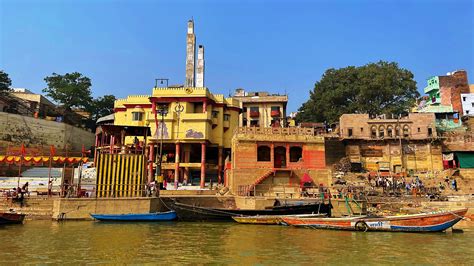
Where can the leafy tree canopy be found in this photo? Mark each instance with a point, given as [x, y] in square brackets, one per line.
[70, 90]
[375, 88]
[5, 81]
[102, 106]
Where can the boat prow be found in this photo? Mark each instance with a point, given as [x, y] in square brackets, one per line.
[423, 222]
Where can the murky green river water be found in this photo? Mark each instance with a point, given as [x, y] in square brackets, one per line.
[223, 243]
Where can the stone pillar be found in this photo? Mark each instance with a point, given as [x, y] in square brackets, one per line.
[151, 158]
[203, 164]
[176, 167]
[272, 154]
[187, 155]
[219, 165]
[204, 106]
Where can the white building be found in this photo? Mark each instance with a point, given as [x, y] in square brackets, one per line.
[467, 100]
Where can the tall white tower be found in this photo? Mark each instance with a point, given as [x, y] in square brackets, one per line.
[200, 67]
[190, 55]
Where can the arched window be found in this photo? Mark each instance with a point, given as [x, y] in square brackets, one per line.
[406, 131]
[296, 153]
[373, 131]
[263, 154]
[381, 131]
[397, 131]
[390, 131]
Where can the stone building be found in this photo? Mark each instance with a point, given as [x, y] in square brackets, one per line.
[261, 109]
[406, 144]
[276, 160]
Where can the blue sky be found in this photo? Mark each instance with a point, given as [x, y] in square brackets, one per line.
[276, 46]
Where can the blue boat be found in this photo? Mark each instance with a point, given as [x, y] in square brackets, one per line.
[136, 217]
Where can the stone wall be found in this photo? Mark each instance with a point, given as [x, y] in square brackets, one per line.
[17, 129]
[80, 209]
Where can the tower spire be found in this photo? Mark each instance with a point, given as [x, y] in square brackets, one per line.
[190, 55]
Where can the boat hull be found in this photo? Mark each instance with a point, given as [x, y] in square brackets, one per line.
[425, 222]
[11, 218]
[270, 219]
[136, 217]
[187, 212]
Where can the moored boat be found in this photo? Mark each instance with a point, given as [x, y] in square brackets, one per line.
[11, 218]
[136, 217]
[423, 222]
[270, 219]
[188, 212]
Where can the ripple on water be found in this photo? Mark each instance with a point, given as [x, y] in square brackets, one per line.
[223, 243]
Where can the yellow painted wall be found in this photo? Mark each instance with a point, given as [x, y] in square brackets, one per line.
[188, 126]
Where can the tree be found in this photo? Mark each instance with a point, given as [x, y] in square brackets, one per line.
[69, 90]
[102, 106]
[375, 88]
[5, 81]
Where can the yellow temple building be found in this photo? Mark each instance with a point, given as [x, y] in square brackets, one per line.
[191, 126]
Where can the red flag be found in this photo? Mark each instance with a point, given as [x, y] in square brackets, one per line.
[22, 150]
[52, 151]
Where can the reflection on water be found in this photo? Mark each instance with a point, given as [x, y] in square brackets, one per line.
[224, 243]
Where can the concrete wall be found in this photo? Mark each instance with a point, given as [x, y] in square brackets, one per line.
[467, 103]
[80, 209]
[19, 129]
[418, 156]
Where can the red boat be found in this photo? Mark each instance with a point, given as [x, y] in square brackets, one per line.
[424, 222]
[11, 218]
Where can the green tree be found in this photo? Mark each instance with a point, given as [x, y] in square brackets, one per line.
[102, 106]
[71, 90]
[375, 88]
[5, 81]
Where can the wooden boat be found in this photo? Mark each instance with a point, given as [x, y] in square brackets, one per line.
[188, 212]
[136, 217]
[11, 218]
[270, 219]
[424, 222]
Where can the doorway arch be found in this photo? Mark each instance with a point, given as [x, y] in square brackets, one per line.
[279, 157]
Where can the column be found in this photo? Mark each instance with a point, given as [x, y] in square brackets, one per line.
[219, 166]
[287, 155]
[203, 164]
[111, 144]
[272, 154]
[204, 106]
[176, 167]
[95, 149]
[151, 158]
[187, 155]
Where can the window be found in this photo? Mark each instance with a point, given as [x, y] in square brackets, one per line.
[373, 132]
[137, 116]
[430, 132]
[381, 132]
[263, 154]
[419, 130]
[275, 108]
[296, 154]
[254, 123]
[215, 114]
[397, 131]
[226, 117]
[349, 132]
[472, 104]
[361, 129]
[463, 99]
[198, 108]
[244, 109]
[390, 131]
[406, 131]
[467, 112]
[244, 122]
[254, 109]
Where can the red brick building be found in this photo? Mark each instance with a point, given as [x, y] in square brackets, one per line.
[275, 159]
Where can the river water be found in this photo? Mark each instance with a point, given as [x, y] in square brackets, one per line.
[223, 243]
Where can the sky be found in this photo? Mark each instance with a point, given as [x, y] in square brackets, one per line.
[275, 46]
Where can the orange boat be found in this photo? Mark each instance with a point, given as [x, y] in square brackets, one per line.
[423, 222]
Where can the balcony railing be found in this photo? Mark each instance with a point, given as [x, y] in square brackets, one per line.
[275, 113]
[254, 114]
